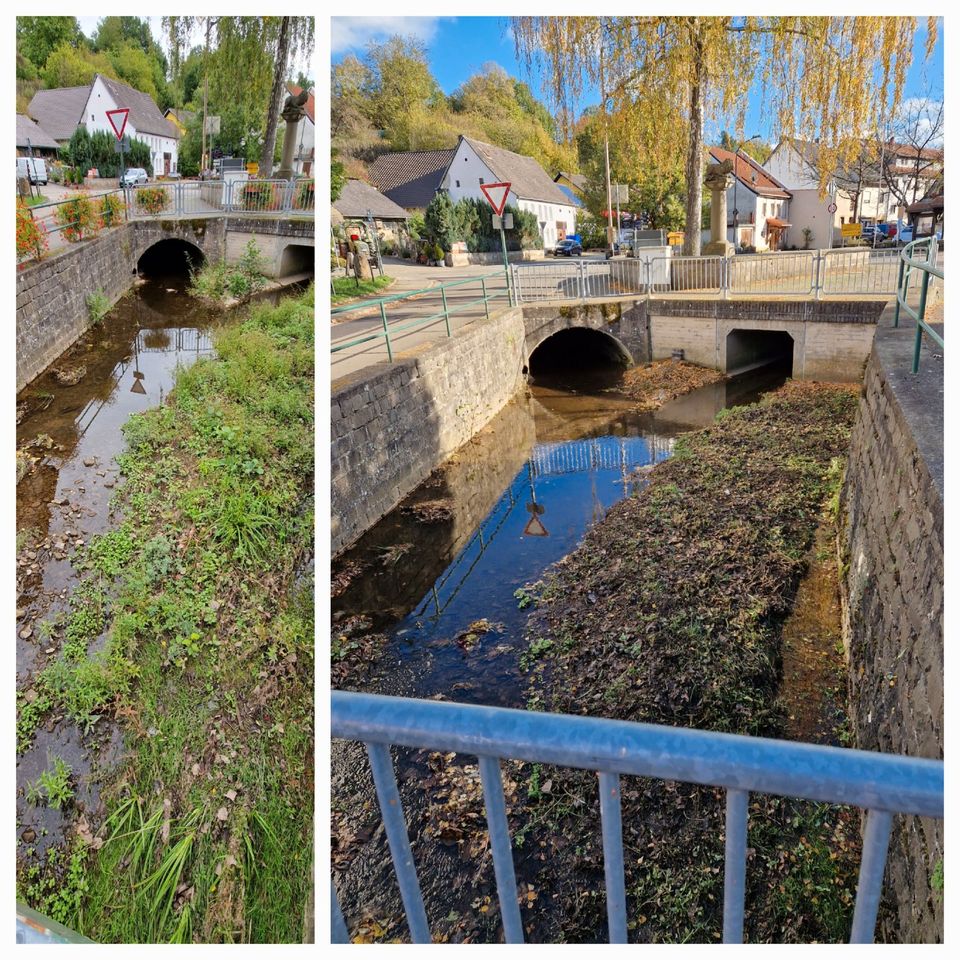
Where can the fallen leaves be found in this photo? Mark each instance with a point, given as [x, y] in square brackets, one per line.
[653, 384]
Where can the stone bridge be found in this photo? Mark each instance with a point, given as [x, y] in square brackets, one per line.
[52, 294]
[824, 340]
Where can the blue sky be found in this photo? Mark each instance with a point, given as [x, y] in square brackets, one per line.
[459, 46]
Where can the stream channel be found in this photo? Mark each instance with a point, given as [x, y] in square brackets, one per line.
[73, 432]
[514, 500]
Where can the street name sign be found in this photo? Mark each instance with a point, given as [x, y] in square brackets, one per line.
[496, 194]
[118, 120]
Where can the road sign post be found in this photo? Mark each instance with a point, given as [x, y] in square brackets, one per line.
[496, 195]
[118, 120]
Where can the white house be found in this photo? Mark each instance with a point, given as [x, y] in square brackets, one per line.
[761, 201]
[475, 163]
[144, 122]
[911, 170]
[794, 164]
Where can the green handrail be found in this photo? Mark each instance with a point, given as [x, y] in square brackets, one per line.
[928, 267]
[346, 308]
[391, 330]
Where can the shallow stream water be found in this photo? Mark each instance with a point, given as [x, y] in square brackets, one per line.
[520, 496]
[73, 432]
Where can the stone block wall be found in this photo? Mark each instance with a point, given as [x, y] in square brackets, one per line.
[52, 310]
[394, 423]
[892, 549]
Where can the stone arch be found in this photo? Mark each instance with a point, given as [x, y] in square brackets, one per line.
[172, 254]
[577, 346]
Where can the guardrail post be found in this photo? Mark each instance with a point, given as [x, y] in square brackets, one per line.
[819, 272]
[386, 332]
[726, 265]
[446, 315]
[486, 302]
[921, 313]
[900, 292]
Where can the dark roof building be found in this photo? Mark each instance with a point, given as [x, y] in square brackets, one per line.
[410, 179]
[145, 115]
[39, 139]
[358, 200]
[527, 179]
[59, 111]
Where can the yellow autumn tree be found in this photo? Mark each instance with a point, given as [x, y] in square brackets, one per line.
[826, 78]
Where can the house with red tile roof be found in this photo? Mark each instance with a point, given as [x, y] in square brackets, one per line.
[758, 205]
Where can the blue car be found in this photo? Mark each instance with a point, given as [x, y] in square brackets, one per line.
[568, 248]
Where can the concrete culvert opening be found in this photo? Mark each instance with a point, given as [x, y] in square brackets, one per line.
[752, 349]
[170, 258]
[296, 258]
[578, 349]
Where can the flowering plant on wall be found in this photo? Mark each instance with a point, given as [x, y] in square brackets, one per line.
[31, 235]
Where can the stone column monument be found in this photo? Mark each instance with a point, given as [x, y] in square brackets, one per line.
[293, 112]
[719, 179]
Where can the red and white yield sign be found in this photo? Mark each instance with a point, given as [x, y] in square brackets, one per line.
[496, 194]
[118, 120]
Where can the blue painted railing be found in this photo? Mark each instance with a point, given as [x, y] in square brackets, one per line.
[881, 784]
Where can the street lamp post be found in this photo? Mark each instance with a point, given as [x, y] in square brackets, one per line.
[736, 212]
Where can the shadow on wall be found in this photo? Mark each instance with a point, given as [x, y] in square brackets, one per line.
[577, 349]
[170, 257]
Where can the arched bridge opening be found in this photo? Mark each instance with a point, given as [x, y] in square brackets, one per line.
[171, 257]
[577, 350]
[296, 258]
[753, 349]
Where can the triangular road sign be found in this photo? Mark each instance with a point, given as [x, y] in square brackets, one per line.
[535, 528]
[496, 194]
[118, 120]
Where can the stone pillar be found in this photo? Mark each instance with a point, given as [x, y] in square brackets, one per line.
[719, 179]
[293, 112]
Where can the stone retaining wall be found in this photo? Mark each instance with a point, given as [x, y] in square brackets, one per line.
[892, 556]
[394, 423]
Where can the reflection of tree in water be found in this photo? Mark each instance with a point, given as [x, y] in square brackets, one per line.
[156, 339]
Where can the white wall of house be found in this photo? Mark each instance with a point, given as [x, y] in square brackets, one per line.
[753, 213]
[303, 156]
[467, 172]
[163, 150]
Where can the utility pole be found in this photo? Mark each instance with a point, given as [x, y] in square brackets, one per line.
[606, 149]
[206, 88]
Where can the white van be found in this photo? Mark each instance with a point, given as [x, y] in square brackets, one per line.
[34, 168]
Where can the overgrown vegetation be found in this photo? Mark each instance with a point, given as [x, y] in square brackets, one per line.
[221, 281]
[99, 305]
[204, 626]
[670, 612]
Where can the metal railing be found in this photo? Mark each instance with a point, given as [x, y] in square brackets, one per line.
[74, 227]
[928, 268]
[807, 273]
[197, 197]
[883, 785]
[389, 331]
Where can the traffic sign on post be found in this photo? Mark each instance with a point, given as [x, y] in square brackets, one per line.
[118, 120]
[832, 208]
[496, 194]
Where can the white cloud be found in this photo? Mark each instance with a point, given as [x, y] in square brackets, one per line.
[348, 33]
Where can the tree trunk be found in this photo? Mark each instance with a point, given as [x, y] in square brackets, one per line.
[694, 166]
[273, 114]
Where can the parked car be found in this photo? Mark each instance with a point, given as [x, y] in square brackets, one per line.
[568, 248]
[34, 168]
[133, 177]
